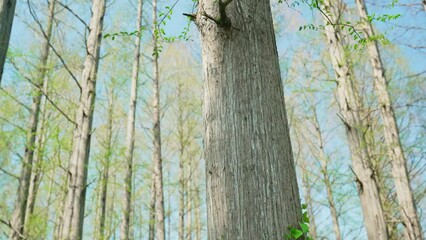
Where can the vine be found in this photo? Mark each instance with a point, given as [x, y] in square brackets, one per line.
[302, 232]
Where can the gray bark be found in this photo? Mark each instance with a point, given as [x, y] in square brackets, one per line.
[349, 104]
[25, 199]
[401, 178]
[158, 163]
[7, 12]
[130, 135]
[252, 190]
[74, 205]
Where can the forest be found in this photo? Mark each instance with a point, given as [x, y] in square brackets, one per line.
[213, 119]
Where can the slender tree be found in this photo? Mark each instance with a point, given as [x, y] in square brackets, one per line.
[130, 137]
[391, 132]
[7, 12]
[182, 144]
[252, 190]
[324, 162]
[25, 200]
[350, 107]
[106, 164]
[151, 230]
[158, 163]
[72, 224]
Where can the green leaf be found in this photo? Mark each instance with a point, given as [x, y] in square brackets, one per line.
[296, 233]
[304, 227]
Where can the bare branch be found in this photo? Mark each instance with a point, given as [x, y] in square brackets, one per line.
[74, 14]
[15, 99]
[51, 46]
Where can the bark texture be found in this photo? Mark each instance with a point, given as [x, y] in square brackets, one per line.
[158, 162]
[350, 107]
[400, 175]
[252, 191]
[25, 199]
[7, 12]
[130, 135]
[76, 193]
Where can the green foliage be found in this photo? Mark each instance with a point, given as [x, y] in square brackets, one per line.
[137, 33]
[303, 231]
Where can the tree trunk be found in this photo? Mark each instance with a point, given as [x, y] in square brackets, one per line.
[349, 104]
[7, 12]
[106, 165]
[252, 190]
[35, 175]
[158, 164]
[424, 4]
[130, 135]
[309, 202]
[324, 160]
[181, 165]
[76, 195]
[18, 217]
[197, 204]
[391, 132]
[189, 200]
[151, 230]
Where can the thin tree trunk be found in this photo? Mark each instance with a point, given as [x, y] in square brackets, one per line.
[35, 175]
[49, 203]
[76, 195]
[309, 202]
[391, 132]
[130, 135]
[181, 165]
[106, 165]
[424, 4]
[18, 217]
[111, 217]
[189, 200]
[306, 181]
[324, 170]
[349, 104]
[252, 190]
[7, 12]
[151, 230]
[158, 164]
[197, 204]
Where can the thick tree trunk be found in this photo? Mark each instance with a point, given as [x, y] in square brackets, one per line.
[76, 195]
[349, 104]
[130, 135]
[7, 12]
[391, 132]
[158, 162]
[21, 205]
[252, 190]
